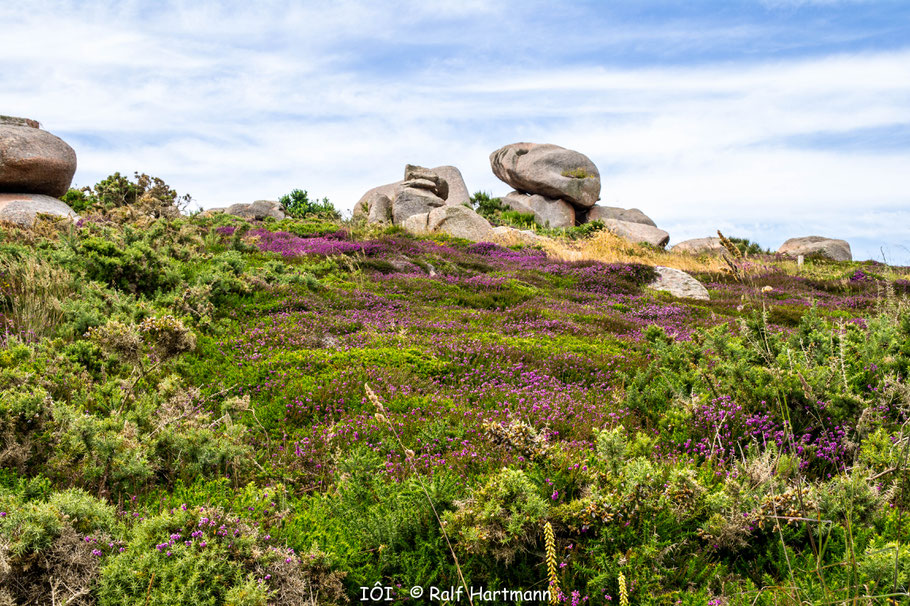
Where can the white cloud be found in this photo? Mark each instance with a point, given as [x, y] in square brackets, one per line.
[235, 102]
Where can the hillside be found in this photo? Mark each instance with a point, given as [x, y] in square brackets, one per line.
[208, 410]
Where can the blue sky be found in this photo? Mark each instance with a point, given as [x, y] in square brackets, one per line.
[763, 119]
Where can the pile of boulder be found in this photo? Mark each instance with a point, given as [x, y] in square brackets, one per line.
[426, 201]
[36, 169]
[558, 186]
[561, 187]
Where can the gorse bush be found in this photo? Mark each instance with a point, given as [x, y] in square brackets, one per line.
[183, 417]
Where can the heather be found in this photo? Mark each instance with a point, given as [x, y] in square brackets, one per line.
[189, 398]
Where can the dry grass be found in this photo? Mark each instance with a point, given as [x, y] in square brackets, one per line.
[609, 248]
[32, 294]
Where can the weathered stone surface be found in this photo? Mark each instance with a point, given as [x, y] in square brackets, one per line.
[416, 224]
[412, 201]
[362, 208]
[550, 212]
[510, 236]
[458, 191]
[33, 160]
[210, 212]
[638, 232]
[24, 208]
[631, 215]
[258, 210]
[549, 170]
[440, 185]
[838, 250]
[700, 246]
[459, 222]
[380, 209]
[679, 284]
[421, 184]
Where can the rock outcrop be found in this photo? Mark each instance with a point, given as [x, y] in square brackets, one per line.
[548, 212]
[548, 170]
[679, 284]
[560, 188]
[448, 185]
[837, 250]
[638, 232]
[258, 210]
[36, 168]
[427, 201]
[700, 246]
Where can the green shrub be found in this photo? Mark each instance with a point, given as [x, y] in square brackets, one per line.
[297, 204]
[501, 518]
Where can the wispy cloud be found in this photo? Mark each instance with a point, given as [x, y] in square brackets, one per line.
[237, 101]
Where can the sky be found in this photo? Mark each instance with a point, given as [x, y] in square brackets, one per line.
[764, 119]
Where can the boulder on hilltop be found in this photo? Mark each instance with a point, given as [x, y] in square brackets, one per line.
[32, 160]
[548, 170]
[831, 248]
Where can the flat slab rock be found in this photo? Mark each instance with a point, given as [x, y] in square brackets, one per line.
[679, 284]
[24, 208]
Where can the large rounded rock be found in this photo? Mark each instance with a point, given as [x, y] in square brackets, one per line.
[33, 160]
[548, 212]
[458, 191]
[638, 232]
[679, 284]
[838, 250]
[700, 246]
[362, 208]
[24, 208]
[459, 222]
[631, 215]
[413, 201]
[549, 170]
[258, 210]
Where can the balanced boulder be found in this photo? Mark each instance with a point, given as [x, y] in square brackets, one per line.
[33, 160]
[638, 232]
[24, 208]
[679, 284]
[549, 170]
[630, 215]
[700, 246]
[838, 250]
[548, 212]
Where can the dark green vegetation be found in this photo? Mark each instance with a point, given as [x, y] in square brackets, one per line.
[184, 419]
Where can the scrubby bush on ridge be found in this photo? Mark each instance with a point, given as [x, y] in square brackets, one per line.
[156, 372]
